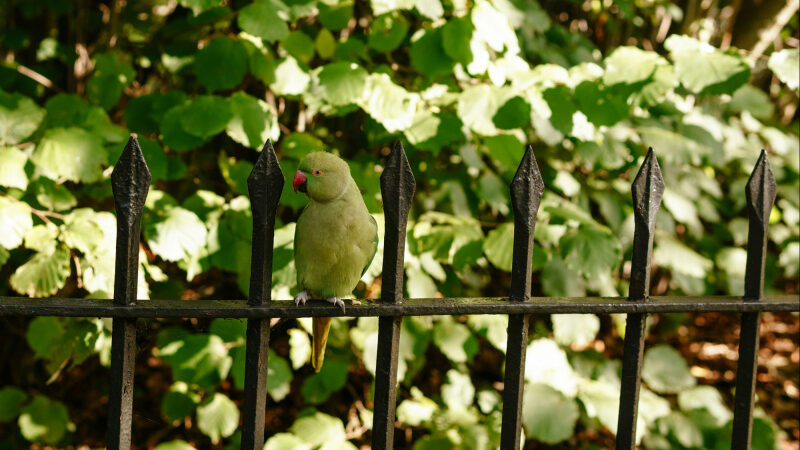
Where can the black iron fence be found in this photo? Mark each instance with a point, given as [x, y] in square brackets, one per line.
[131, 180]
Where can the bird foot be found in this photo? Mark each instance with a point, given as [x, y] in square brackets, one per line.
[337, 301]
[301, 298]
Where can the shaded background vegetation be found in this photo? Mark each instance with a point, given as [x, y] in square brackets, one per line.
[463, 84]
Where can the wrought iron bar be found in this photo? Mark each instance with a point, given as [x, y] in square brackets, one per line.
[239, 309]
[526, 193]
[647, 190]
[397, 192]
[264, 184]
[130, 182]
[760, 192]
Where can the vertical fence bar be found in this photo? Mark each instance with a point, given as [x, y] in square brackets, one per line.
[760, 192]
[265, 184]
[647, 190]
[526, 193]
[397, 192]
[130, 182]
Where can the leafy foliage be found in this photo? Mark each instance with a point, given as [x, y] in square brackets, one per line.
[464, 85]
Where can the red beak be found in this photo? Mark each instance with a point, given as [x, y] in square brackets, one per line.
[299, 182]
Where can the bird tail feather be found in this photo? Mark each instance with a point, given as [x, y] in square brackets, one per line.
[320, 327]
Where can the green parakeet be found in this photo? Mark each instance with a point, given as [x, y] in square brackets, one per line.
[334, 241]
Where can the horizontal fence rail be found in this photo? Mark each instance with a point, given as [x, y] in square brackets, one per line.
[239, 309]
[131, 179]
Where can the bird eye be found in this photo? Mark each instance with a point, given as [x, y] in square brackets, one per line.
[317, 172]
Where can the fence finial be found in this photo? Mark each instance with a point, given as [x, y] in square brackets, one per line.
[264, 184]
[526, 194]
[130, 182]
[760, 193]
[647, 190]
[397, 191]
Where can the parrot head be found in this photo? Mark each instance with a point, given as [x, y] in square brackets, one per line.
[322, 176]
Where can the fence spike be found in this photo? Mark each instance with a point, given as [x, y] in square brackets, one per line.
[647, 190]
[264, 184]
[397, 192]
[760, 192]
[130, 182]
[527, 188]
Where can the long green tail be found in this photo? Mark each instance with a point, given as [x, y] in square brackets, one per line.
[320, 327]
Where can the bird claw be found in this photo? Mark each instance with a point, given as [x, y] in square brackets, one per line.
[337, 301]
[301, 298]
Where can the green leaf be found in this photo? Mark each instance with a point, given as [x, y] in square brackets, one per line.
[451, 338]
[318, 429]
[19, 117]
[43, 275]
[786, 65]
[602, 107]
[387, 32]
[753, 100]
[456, 37]
[665, 371]
[319, 386]
[174, 445]
[80, 231]
[172, 133]
[178, 403]
[703, 69]
[285, 441]
[12, 168]
[229, 330]
[180, 235]
[416, 410]
[198, 6]
[290, 78]
[137, 114]
[109, 78]
[65, 110]
[562, 107]
[279, 377]
[499, 246]
[672, 254]
[590, 251]
[342, 83]
[206, 115]
[458, 393]
[299, 348]
[706, 398]
[299, 45]
[11, 400]
[221, 64]
[198, 359]
[428, 55]
[631, 65]
[515, 113]
[575, 329]
[334, 15]
[265, 20]
[558, 280]
[505, 150]
[547, 414]
[389, 104]
[325, 44]
[681, 428]
[253, 121]
[71, 153]
[155, 157]
[218, 417]
[44, 421]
